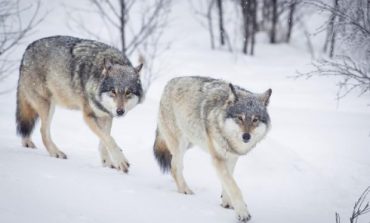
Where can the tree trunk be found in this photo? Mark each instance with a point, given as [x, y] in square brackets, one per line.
[333, 32]
[210, 26]
[245, 4]
[290, 20]
[221, 22]
[368, 10]
[274, 22]
[332, 45]
[266, 14]
[254, 24]
[123, 23]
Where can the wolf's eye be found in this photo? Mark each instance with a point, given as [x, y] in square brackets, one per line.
[240, 118]
[113, 92]
[128, 93]
[255, 120]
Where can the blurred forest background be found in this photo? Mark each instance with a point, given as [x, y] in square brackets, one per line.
[139, 27]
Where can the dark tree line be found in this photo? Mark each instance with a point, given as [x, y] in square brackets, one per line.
[249, 13]
[256, 16]
[347, 42]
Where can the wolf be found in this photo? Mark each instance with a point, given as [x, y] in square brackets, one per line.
[225, 120]
[77, 74]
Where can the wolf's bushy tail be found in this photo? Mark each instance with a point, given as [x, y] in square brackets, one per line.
[161, 153]
[25, 116]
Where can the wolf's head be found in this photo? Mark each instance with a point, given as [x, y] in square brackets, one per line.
[247, 120]
[120, 88]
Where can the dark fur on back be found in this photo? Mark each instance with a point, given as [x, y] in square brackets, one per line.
[85, 58]
[79, 64]
[162, 154]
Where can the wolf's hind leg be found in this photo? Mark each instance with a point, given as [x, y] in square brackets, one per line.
[177, 168]
[27, 142]
[46, 112]
[106, 125]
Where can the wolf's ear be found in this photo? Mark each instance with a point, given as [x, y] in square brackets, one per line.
[107, 66]
[265, 97]
[138, 68]
[233, 97]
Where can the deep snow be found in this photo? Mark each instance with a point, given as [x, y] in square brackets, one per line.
[313, 163]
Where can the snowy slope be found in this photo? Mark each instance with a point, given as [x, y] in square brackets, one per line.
[314, 162]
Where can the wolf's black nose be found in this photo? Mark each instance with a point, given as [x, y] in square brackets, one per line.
[120, 111]
[246, 137]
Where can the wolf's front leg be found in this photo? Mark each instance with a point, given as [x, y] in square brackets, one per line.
[231, 189]
[119, 160]
[106, 125]
[230, 162]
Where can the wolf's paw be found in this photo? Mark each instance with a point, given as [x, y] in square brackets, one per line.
[226, 205]
[28, 143]
[243, 215]
[107, 162]
[119, 161]
[58, 154]
[244, 218]
[226, 202]
[186, 191]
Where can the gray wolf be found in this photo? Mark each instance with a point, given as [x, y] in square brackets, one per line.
[225, 120]
[77, 74]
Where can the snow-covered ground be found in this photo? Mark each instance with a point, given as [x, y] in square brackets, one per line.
[314, 162]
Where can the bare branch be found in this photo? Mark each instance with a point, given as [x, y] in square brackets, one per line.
[347, 23]
[205, 12]
[104, 14]
[13, 30]
[360, 208]
[151, 21]
[144, 37]
[351, 75]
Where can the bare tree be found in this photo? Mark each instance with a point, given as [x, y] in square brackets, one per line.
[142, 35]
[351, 62]
[245, 6]
[249, 12]
[292, 7]
[274, 22]
[221, 22]
[360, 208]
[123, 18]
[330, 35]
[254, 24]
[351, 75]
[266, 14]
[13, 30]
[204, 11]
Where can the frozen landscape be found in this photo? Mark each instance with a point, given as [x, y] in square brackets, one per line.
[314, 162]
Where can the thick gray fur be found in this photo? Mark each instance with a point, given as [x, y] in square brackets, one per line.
[77, 74]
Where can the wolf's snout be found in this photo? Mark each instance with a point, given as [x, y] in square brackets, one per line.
[120, 111]
[246, 137]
